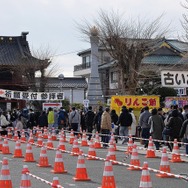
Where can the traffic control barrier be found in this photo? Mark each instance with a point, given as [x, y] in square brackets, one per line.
[130, 145]
[97, 144]
[176, 158]
[134, 159]
[81, 171]
[145, 180]
[91, 151]
[150, 151]
[43, 159]
[164, 165]
[18, 150]
[5, 147]
[71, 140]
[61, 145]
[84, 139]
[29, 154]
[59, 164]
[49, 144]
[5, 179]
[111, 152]
[55, 182]
[75, 148]
[25, 179]
[108, 179]
[31, 139]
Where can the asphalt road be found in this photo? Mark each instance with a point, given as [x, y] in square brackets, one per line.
[124, 178]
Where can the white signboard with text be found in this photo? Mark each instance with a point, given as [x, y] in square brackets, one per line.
[174, 79]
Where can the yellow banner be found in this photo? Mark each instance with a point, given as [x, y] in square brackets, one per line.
[134, 101]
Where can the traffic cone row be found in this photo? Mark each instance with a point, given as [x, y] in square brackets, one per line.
[91, 151]
[43, 160]
[18, 150]
[29, 154]
[50, 144]
[111, 152]
[75, 148]
[130, 145]
[61, 145]
[84, 139]
[97, 144]
[150, 151]
[176, 158]
[71, 137]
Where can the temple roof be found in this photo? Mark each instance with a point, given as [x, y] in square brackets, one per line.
[14, 49]
[68, 82]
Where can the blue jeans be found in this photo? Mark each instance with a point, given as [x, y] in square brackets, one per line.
[123, 131]
[145, 134]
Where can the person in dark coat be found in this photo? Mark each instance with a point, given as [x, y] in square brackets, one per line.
[174, 123]
[125, 121]
[43, 120]
[62, 119]
[89, 121]
[97, 120]
[156, 126]
[82, 120]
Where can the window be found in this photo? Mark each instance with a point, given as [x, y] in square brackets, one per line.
[86, 61]
[114, 76]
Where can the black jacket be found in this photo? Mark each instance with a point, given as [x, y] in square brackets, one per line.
[89, 118]
[125, 118]
[183, 128]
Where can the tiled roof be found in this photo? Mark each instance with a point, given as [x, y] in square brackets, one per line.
[13, 49]
[161, 60]
[178, 45]
[69, 82]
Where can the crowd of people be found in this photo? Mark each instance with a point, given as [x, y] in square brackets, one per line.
[161, 126]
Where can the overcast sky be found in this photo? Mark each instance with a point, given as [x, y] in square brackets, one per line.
[52, 22]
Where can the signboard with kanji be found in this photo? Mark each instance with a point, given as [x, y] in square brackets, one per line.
[180, 101]
[174, 79]
[45, 106]
[134, 101]
[27, 95]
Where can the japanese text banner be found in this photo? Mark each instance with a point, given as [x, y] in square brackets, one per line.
[135, 101]
[174, 78]
[26, 95]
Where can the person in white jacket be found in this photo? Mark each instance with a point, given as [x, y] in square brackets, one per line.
[4, 123]
[132, 130]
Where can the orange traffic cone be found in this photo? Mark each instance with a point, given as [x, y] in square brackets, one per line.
[150, 151]
[164, 165]
[59, 164]
[71, 137]
[25, 180]
[5, 180]
[84, 139]
[1, 143]
[29, 154]
[31, 139]
[130, 145]
[63, 135]
[112, 138]
[75, 148]
[91, 151]
[43, 160]
[9, 134]
[145, 180]
[55, 182]
[5, 147]
[111, 152]
[81, 171]
[50, 144]
[23, 138]
[15, 134]
[176, 158]
[18, 150]
[108, 179]
[134, 159]
[54, 137]
[97, 141]
[61, 145]
[39, 140]
[45, 134]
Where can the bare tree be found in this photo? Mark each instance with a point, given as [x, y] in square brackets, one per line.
[127, 41]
